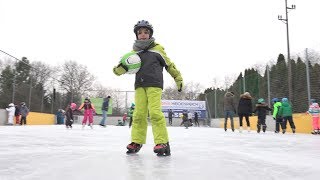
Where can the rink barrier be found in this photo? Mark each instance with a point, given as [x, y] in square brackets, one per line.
[33, 118]
[302, 121]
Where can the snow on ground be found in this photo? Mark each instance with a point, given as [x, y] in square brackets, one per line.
[53, 152]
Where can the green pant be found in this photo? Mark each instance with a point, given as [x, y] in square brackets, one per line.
[148, 98]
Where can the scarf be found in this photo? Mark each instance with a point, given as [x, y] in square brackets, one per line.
[139, 45]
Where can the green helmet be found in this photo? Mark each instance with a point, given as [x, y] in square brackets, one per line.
[261, 100]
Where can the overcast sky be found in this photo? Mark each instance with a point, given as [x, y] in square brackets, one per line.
[206, 39]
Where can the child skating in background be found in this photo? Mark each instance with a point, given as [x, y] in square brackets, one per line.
[69, 115]
[261, 110]
[275, 114]
[88, 112]
[148, 90]
[11, 109]
[130, 114]
[285, 112]
[314, 111]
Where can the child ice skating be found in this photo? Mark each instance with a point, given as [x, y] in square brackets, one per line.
[285, 112]
[69, 115]
[261, 109]
[279, 120]
[88, 112]
[148, 90]
[314, 111]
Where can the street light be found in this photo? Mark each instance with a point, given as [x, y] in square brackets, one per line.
[286, 21]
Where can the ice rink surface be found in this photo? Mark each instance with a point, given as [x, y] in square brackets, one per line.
[55, 153]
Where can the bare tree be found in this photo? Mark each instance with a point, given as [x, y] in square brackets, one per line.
[75, 78]
[41, 72]
[190, 91]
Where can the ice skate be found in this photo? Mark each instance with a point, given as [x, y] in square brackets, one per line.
[258, 128]
[83, 125]
[133, 148]
[248, 128]
[264, 128]
[314, 132]
[283, 131]
[162, 149]
[240, 129]
[91, 125]
[293, 131]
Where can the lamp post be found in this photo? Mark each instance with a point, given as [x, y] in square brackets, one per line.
[286, 21]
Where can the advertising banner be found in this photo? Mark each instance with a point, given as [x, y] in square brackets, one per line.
[178, 106]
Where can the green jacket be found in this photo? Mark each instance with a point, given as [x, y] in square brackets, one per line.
[130, 112]
[276, 107]
[285, 110]
[153, 61]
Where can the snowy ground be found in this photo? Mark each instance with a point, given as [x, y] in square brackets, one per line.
[54, 153]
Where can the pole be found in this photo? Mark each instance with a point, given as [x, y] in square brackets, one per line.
[244, 83]
[268, 84]
[215, 103]
[14, 86]
[289, 61]
[308, 76]
[286, 21]
[30, 91]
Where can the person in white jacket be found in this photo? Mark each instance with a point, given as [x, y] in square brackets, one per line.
[11, 109]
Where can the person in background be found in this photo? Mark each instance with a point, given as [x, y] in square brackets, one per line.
[190, 118]
[196, 117]
[17, 114]
[279, 121]
[229, 108]
[285, 112]
[124, 119]
[24, 113]
[261, 109]
[170, 114]
[185, 119]
[314, 111]
[60, 116]
[10, 109]
[69, 115]
[130, 113]
[245, 109]
[88, 112]
[104, 108]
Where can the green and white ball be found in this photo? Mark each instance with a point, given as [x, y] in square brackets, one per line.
[132, 61]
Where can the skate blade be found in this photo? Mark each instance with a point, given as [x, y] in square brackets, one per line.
[163, 155]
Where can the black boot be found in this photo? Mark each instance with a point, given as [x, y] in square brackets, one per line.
[162, 149]
[258, 128]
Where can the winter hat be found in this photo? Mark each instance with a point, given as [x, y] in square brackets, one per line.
[11, 105]
[246, 94]
[274, 100]
[313, 101]
[73, 105]
[261, 100]
[284, 100]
